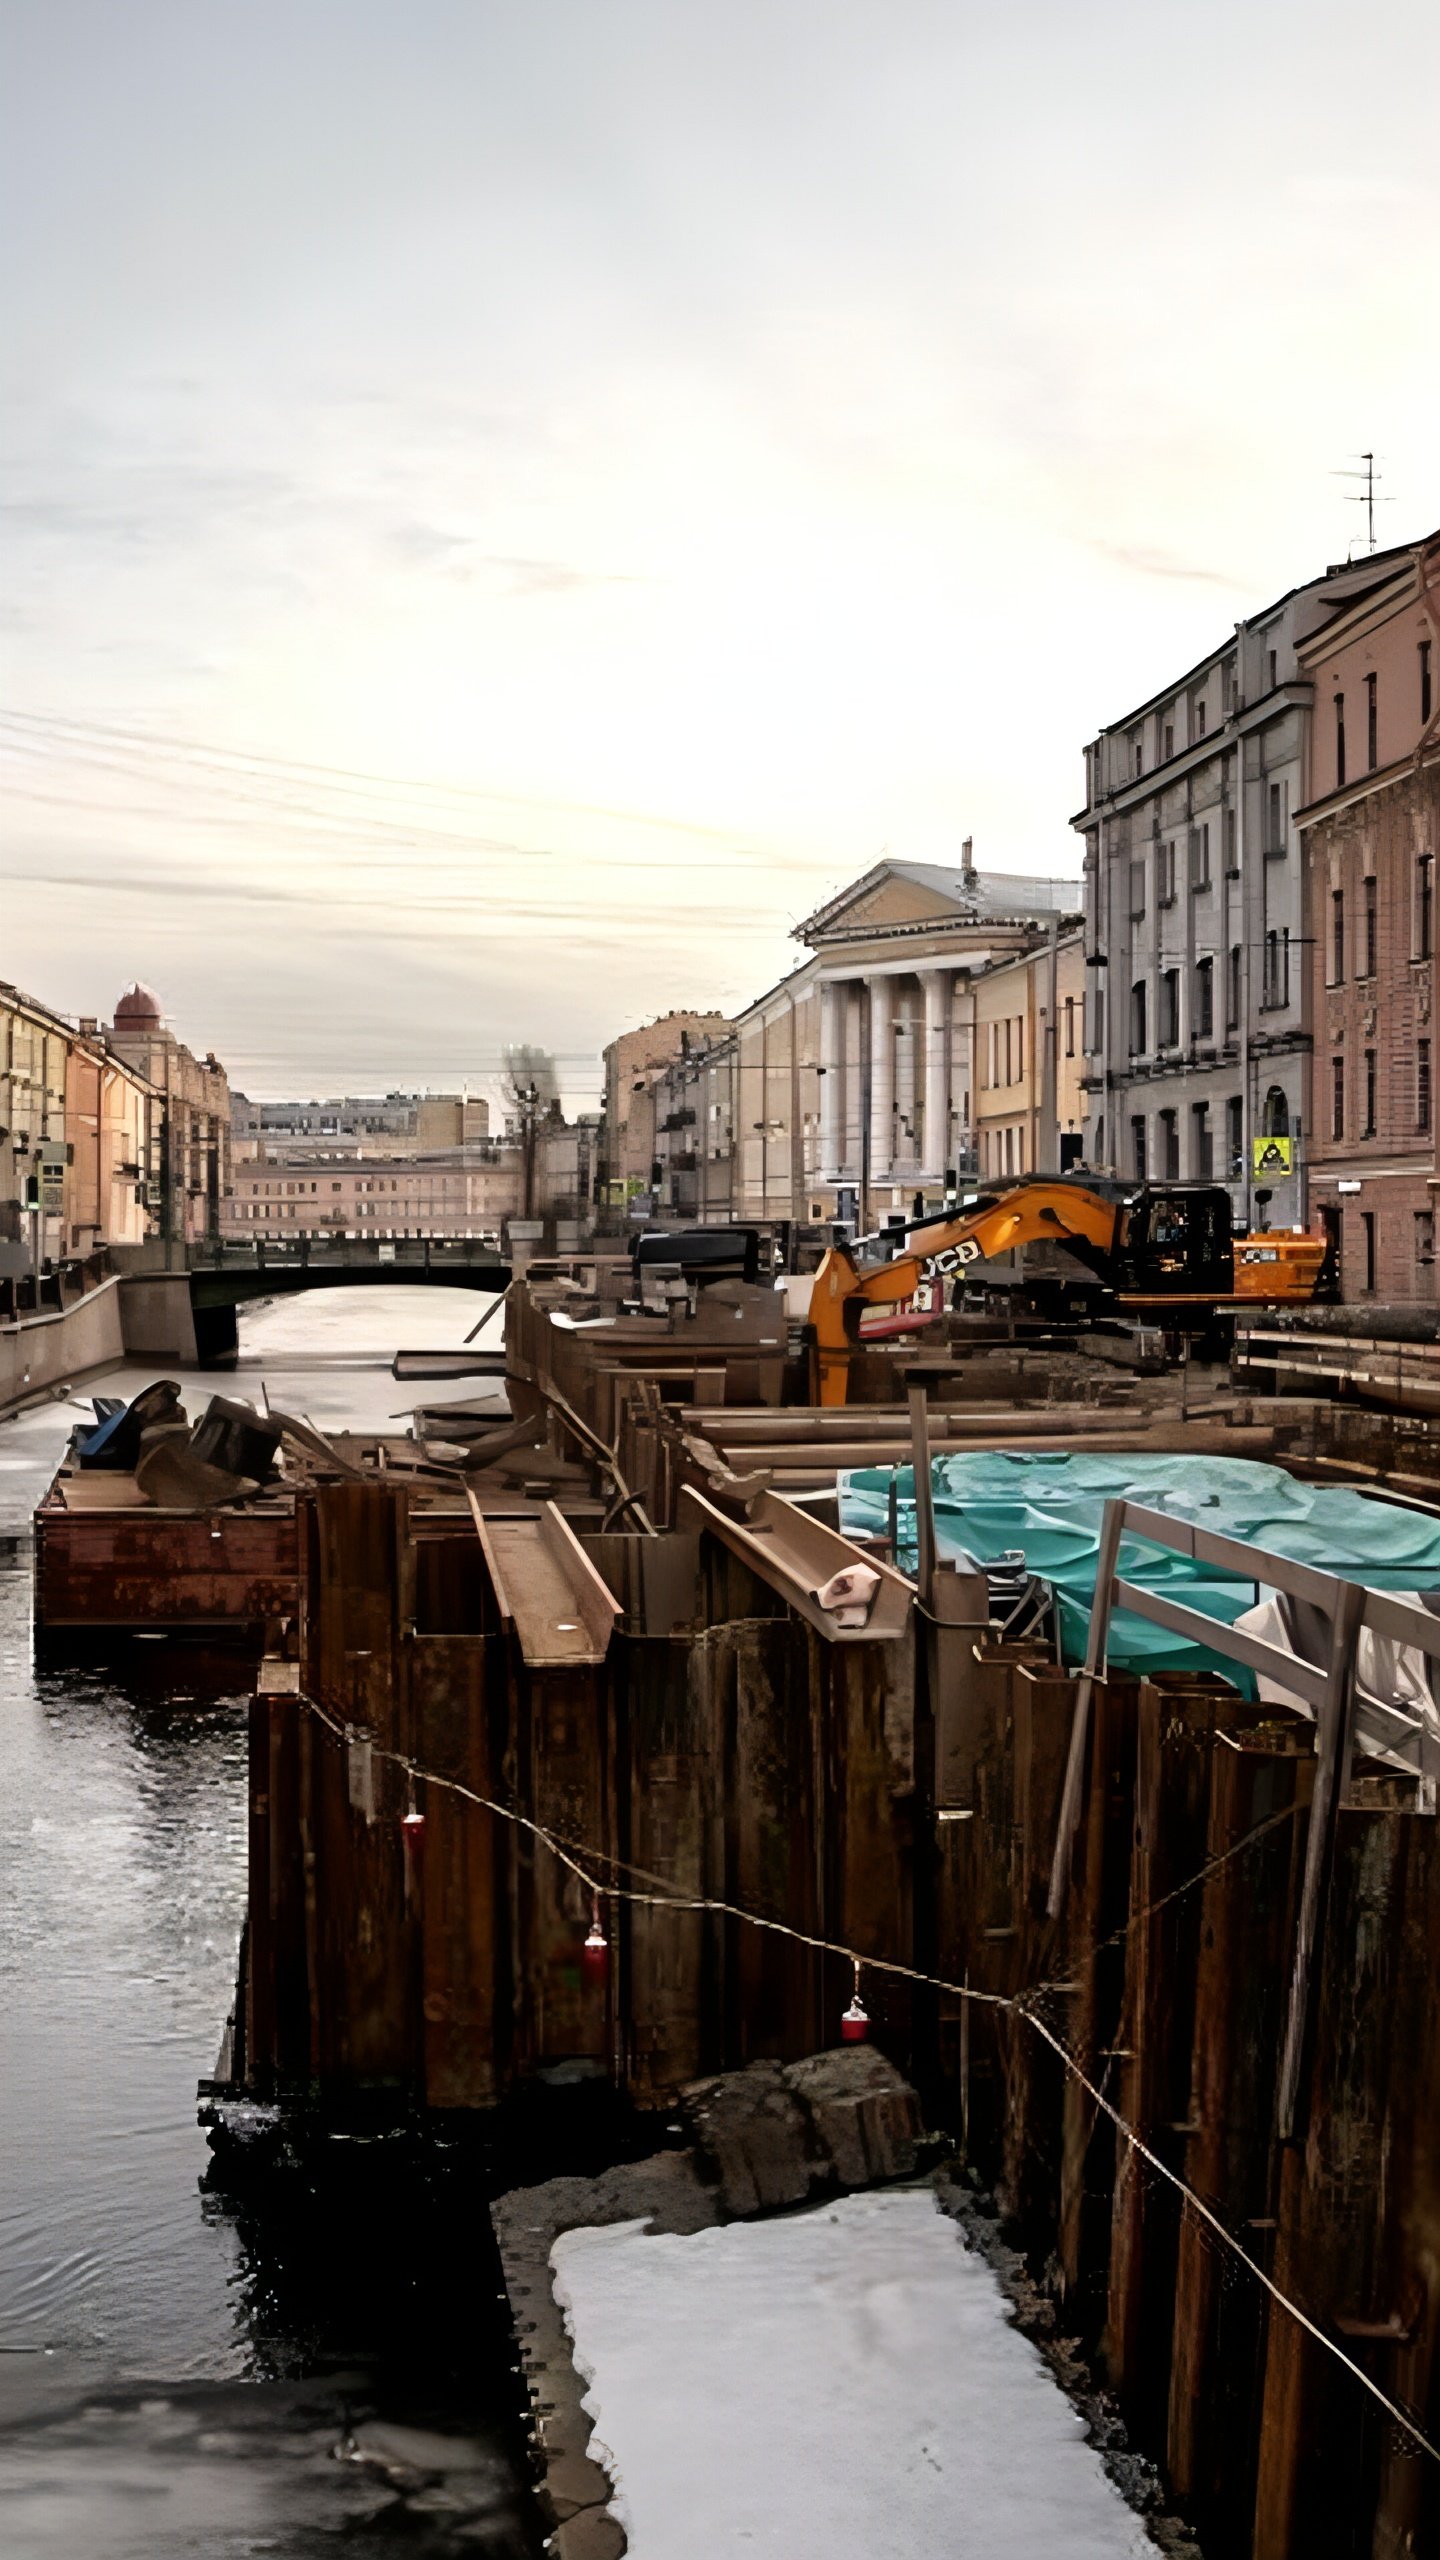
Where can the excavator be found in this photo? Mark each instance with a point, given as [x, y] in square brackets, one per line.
[1162, 1252]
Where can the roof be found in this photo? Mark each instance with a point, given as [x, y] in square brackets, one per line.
[989, 897]
[138, 1008]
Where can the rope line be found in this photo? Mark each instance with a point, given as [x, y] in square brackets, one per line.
[1019, 2005]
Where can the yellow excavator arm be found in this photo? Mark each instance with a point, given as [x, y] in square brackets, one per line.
[1054, 1212]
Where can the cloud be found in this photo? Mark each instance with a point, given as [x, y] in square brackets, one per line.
[1142, 562]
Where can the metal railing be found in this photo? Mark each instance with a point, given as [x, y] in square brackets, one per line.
[1328, 1690]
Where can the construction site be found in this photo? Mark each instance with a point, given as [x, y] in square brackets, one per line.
[1022, 1762]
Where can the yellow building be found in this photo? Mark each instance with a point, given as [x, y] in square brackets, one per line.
[1029, 1108]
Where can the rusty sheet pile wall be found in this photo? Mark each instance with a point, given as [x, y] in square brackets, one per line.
[750, 1800]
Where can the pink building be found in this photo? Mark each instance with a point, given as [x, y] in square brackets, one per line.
[1371, 831]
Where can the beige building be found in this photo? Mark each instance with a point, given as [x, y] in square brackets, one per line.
[34, 1066]
[848, 1090]
[109, 1115]
[188, 1175]
[635, 1065]
[898, 957]
[471, 1192]
[1028, 1046]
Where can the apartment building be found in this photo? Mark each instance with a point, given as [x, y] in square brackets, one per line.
[1199, 1015]
[1371, 832]
[635, 1066]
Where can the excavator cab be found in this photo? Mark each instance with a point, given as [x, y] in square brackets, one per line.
[1175, 1241]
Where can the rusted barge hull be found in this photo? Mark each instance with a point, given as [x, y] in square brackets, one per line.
[108, 1561]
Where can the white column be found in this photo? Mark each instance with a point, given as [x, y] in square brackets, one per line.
[882, 1081]
[832, 1081]
[907, 1084]
[936, 1150]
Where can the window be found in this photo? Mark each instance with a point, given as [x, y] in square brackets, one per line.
[1367, 1228]
[1234, 977]
[1277, 970]
[1422, 1086]
[1169, 743]
[1337, 937]
[1274, 670]
[1169, 1008]
[1227, 833]
[1425, 1235]
[1235, 1137]
[1200, 857]
[1275, 819]
[1137, 892]
[1169, 1146]
[1337, 1097]
[1204, 1151]
[1138, 1041]
[1165, 875]
[1372, 724]
[1368, 1129]
[1069, 1026]
[1205, 999]
[1339, 740]
[1424, 905]
[1371, 927]
[1424, 680]
[1276, 1120]
[1137, 757]
[1019, 1046]
[1200, 718]
[1137, 1146]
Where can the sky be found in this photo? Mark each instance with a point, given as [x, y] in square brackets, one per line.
[507, 504]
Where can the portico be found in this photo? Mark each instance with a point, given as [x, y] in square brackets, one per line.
[897, 958]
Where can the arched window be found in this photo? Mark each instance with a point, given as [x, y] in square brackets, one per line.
[1277, 1114]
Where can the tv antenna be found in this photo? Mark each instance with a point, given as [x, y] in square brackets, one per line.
[1369, 497]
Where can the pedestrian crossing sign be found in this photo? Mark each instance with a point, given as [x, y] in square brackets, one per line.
[1273, 1155]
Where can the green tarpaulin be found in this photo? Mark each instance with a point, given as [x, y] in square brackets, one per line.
[1050, 1505]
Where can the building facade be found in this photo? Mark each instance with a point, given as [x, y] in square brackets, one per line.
[188, 1174]
[1028, 1048]
[462, 1192]
[847, 1091]
[110, 1112]
[1198, 998]
[898, 961]
[1371, 832]
[34, 1068]
[405, 1123]
[635, 1066]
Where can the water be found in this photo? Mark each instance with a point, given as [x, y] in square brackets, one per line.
[177, 2374]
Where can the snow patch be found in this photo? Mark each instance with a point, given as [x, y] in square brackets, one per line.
[838, 2384]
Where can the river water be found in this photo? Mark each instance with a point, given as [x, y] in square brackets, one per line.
[180, 2374]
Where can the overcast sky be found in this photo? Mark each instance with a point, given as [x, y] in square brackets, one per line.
[508, 502]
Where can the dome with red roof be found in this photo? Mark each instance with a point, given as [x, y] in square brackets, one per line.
[138, 1010]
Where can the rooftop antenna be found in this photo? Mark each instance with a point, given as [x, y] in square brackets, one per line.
[1368, 497]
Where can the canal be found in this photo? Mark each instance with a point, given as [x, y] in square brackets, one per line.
[181, 2371]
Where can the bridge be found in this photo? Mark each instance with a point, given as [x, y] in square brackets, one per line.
[195, 1291]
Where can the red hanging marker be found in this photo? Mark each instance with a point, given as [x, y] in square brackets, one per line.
[595, 1954]
[855, 2024]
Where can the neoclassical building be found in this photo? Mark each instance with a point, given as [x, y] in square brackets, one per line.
[855, 1084]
